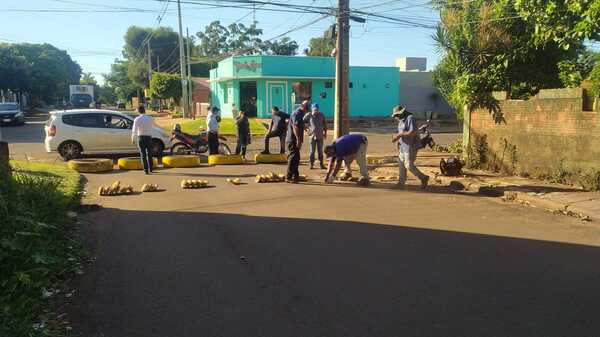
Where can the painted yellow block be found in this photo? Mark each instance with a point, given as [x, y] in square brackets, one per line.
[133, 163]
[225, 159]
[181, 161]
[270, 158]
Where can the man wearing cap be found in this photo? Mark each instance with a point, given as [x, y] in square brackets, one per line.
[346, 149]
[408, 145]
[318, 132]
[294, 139]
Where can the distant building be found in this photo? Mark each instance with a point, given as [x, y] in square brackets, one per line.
[256, 83]
[200, 95]
[417, 91]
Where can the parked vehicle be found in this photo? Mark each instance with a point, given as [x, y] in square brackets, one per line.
[120, 105]
[425, 135]
[73, 133]
[184, 143]
[11, 113]
[81, 95]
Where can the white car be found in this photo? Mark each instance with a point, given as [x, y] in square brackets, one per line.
[73, 133]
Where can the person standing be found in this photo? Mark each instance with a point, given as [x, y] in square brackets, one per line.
[142, 130]
[277, 128]
[408, 145]
[345, 150]
[294, 139]
[212, 125]
[243, 134]
[318, 132]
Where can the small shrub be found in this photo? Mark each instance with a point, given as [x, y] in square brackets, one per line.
[590, 180]
[477, 152]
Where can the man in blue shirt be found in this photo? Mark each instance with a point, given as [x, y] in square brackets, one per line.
[294, 139]
[408, 145]
[346, 149]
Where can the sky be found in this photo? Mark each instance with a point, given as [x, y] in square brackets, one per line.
[92, 32]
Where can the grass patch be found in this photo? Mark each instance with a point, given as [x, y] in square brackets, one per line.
[227, 126]
[39, 247]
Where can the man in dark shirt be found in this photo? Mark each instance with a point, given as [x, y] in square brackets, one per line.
[345, 150]
[277, 128]
[294, 139]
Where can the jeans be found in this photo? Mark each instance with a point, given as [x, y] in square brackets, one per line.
[213, 143]
[361, 159]
[241, 149]
[145, 146]
[272, 134]
[316, 145]
[406, 161]
[293, 161]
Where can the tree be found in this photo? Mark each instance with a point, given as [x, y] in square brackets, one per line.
[42, 70]
[213, 41]
[320, 46]
[285, 46]
[165, 86]
[87, 78]
[119, 81]
[487, 47]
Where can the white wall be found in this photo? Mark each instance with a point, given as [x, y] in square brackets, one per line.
[419, 95]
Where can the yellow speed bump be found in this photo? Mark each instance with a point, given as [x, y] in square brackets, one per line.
[133, 163]
[224, 159]
[91, 165]
[181, 161]
[270, 158]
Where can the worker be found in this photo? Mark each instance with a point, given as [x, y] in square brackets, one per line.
[345, 150]
[317, 127]
[243, 134]
[143, 126]
[212, 125]
[277, 128]
[408, 145]
[294, 139]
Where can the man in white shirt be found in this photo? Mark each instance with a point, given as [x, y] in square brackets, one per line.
[212, 125]
[142, 130]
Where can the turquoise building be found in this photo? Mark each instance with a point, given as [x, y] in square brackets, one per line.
[256, 83]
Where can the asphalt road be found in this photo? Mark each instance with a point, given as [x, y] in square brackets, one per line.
[314, 260]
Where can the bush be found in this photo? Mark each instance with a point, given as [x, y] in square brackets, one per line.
[38, 248]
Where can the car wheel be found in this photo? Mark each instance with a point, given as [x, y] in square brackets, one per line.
[157, 148]
[70, 150]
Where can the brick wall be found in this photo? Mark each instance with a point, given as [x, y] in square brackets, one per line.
[539, 136]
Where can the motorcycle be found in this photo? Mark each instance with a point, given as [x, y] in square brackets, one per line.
[193, 144]
[425, 138]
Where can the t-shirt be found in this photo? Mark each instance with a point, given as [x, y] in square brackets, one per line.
[296, 119]
[212, 123]
[348, 145]
[407, 143]
[279, 121]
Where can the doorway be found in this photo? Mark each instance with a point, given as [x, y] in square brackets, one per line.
[248, 98]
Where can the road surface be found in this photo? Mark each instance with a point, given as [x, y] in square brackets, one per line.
[313, 260]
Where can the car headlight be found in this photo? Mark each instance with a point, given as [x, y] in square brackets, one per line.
[19, 114]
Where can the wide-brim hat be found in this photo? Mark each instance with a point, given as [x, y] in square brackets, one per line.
[398, 111]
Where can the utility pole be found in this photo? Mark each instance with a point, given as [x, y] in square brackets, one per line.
[149, 66]
[342, 60]
[182, 66]
[158, 63]
[189, 75]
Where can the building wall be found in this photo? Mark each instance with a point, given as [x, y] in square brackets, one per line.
[374, 91]
[419, 95]
[541, 136]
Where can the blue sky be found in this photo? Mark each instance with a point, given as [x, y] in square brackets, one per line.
[95, 39]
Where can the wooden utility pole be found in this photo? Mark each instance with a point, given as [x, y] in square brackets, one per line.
[149, 63]
[182, 67]
[342, 60]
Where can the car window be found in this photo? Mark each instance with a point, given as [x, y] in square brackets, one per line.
[117, 122]
[85, 120]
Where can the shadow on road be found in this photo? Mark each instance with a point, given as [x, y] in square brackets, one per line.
[191, 274]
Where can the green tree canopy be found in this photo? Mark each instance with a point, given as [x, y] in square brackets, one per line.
[119, 81]
[165, 86]
[320, 46]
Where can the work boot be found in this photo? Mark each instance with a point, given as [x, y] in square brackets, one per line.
[312, 166]
[425, 182]
[265, 152]
[323, 167]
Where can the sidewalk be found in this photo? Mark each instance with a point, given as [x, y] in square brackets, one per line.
[556, 198]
